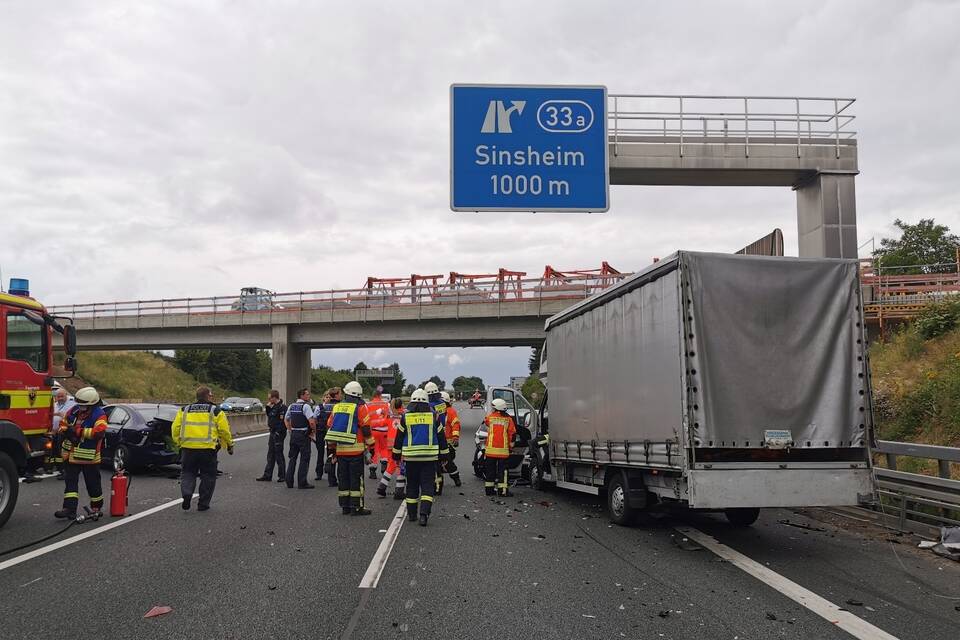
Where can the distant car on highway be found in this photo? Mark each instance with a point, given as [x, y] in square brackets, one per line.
[237, 404]
[138, 435]
[254, 299]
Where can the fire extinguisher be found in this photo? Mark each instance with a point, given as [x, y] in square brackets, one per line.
[119, 488]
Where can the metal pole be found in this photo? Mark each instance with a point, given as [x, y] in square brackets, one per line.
[836, 126]
[616, 128]
[797, 101]
[746, 130]
[681, 126]
[892, 461]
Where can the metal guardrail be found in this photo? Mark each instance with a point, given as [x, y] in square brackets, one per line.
[905, 492]
[422, 294]
[746, 120]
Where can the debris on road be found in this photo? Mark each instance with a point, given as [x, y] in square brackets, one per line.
[948, 546]
[800, 525]
[272, 587]
[585, 615]
[158, 611]
[854, 603]
[771, 616]
[664, 614]
[466, 516]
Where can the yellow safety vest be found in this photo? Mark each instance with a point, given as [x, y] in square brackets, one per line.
[420, 440]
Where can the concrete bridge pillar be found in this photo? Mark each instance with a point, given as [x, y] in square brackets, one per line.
[291, 364]
[827, 216]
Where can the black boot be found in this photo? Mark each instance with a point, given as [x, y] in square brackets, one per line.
[423, 519]
[64, 514]
[456, 478]
[412, 512]
[489, 491]
[399, 493]
[373, 473]
[362, 511]
[382, 490]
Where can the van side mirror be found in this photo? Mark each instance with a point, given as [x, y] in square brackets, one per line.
[70, 340]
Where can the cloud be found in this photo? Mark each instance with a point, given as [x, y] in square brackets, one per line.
[453, 360]
[167, 149]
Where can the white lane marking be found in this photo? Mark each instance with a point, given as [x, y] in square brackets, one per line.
[6, 564]
[857, 627]
[41, 476]
[31, 582]
[379, 561]
[256, 435]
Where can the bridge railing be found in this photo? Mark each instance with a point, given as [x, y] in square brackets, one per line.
[750, 121]
[917, 496]
[890, 292]
[382, 297]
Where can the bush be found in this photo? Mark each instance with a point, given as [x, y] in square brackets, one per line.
[937, 319]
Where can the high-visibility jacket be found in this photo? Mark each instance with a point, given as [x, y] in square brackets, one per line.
[451, 424]
[440, 408]
[379, 411]
[201, 425]
[83, 438]
[501, 431]
[420, 437]
[349, 428]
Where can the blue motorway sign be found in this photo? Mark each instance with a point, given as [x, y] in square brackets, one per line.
[528, 148]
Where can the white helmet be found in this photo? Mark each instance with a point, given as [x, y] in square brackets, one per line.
[445, 396]
[431, 387]
[419, 396]
[353, 389]
[499, 404]
[87, 397]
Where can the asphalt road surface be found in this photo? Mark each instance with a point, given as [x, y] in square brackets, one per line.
[272, 562]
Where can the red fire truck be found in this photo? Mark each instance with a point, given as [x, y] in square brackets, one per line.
[26, 382]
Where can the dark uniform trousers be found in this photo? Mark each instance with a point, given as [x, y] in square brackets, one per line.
[91, 478]
[350, 481]
[321, 450]
[275, 455]
[300, 446]
[421, 477]
[202, 462]
[495, 475]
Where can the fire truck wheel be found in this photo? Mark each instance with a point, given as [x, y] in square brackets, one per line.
[9, 487]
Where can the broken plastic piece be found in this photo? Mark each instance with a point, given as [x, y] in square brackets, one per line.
[158, 611]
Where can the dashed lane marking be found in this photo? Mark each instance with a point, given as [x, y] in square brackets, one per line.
[379, 561]
[856, 627]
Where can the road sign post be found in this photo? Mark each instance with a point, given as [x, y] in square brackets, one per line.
[528, 148]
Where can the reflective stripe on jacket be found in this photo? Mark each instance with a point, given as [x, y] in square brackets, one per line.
[84, 439]
[500, 433]
[349, 427]
[201, 426]
[419, 436]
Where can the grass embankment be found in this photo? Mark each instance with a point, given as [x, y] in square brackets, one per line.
[916, 383]
[138, 375]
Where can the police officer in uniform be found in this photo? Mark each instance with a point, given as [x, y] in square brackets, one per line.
[197, 431]
[420, 442]
[301, 425]
[275, 410]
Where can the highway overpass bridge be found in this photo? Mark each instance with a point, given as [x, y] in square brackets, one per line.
[459, 310]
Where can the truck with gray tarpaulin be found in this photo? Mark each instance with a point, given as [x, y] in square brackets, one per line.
[717, 381]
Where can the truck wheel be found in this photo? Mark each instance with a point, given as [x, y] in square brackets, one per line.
[9, 487]
[742, 516]
[620, 511]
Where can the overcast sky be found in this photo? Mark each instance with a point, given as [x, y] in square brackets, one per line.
[163, 149]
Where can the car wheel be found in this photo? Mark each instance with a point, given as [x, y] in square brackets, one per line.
[619, 509]
[478, 464]
[9, 487]
[121, 458]
[742, 516]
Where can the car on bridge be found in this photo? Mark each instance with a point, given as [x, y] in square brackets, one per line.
[138, 436]
[254, 299]
[237, 404]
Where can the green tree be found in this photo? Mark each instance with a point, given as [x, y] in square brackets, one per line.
[409, 389]
[435, 379]
[464, 386]
[534, 362]
[924, 243]
[323, 378]
[533, 391]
